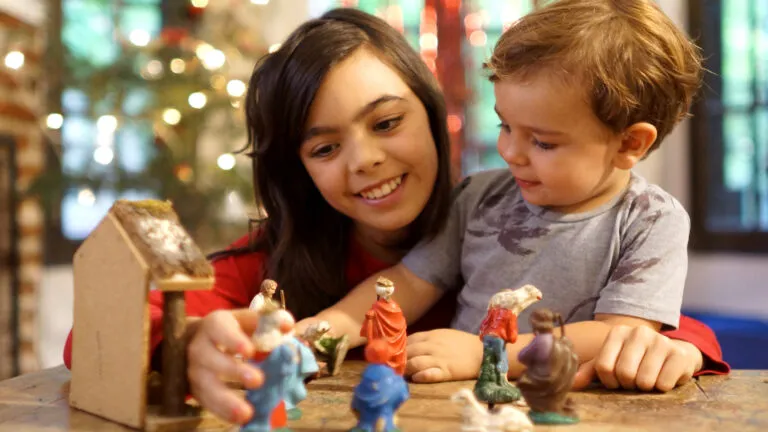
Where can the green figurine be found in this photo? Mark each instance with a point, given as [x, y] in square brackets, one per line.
[551, 366]
[328, 350]
[497, 329]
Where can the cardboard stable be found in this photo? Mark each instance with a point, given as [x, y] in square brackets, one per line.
[114, 270]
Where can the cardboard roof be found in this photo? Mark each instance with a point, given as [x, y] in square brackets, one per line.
[157, 234]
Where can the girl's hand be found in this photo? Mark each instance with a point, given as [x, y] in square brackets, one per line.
[214, 341]
[640, 358]
[443, 355]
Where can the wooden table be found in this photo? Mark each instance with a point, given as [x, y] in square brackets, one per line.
[739, 402]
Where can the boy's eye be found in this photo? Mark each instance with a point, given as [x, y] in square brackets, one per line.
[504, 127]
[387, 125]
[324, 150]
[542, 145]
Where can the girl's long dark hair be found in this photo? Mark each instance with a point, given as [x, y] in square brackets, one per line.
[305, 239]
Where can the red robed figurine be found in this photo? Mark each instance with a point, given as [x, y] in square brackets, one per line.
[385, 320]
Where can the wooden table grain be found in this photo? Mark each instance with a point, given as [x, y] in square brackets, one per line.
[739, 402]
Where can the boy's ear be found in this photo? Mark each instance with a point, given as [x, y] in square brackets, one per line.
[635, 142]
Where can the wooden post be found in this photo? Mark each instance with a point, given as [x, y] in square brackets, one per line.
[174, 374]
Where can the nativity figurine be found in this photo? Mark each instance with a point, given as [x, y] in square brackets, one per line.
[266, 292]
[497, 330]
[385, 321]
[329, 351]
[380, 392]
[306, 366]
[477, 418]
[277, 359]
[551, 366]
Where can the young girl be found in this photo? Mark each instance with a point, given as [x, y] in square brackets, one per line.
[350, 159]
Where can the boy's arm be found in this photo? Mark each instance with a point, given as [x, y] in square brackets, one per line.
[414, 295]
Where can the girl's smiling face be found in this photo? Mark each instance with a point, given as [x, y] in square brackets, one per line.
[368, 146]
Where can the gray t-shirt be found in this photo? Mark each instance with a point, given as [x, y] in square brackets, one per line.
[627, 257]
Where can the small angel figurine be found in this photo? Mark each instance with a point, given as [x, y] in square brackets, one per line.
[385, 321]
[278, 361]
[551, 366]
[329, 351]
[380, 393]
[497, 329]
[266, 291]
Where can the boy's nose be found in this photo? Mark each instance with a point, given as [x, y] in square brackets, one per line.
[512, 153]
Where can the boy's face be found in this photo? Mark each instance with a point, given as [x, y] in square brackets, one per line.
[561, 155]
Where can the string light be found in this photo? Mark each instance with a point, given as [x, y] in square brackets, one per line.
[274, 47]
[139, 37]
[213, 59]
[171, 116]
[226, 161]
[428, 42]
[106, 123]
[478, 38]
[178, 66]
[14, 60]
[218, 82]
[54, 121]
[103, 155]
[197, 100]
[260, 2]
[236, 88]
[86, 197]
[199, 3]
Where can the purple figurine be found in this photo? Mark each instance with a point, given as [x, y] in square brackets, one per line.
[551, 366]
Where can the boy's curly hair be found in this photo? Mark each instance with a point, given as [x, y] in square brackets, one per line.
[636, 64]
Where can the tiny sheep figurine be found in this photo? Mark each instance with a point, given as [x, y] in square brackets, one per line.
[266, 291]
[275, 356]
[477, 418]
[380, 393]
[551, 366]
[329, 351]
[497, 329]
[385, 321]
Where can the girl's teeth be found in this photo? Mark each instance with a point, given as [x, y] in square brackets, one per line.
[384, 190]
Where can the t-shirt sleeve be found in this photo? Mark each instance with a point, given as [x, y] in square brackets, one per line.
[703, 338]
[438, 260]
[648, 279]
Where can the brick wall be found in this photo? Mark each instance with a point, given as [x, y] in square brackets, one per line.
[20, 111]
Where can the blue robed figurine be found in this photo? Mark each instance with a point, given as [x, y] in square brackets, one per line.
[276, 357]
[380, 392]
[295, 391]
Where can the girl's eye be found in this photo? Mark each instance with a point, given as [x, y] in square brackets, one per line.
[504, 127]
[542, 145]
[387, 124]
[324, 150]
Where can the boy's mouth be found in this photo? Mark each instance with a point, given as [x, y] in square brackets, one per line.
[383, 190]
[525, 184]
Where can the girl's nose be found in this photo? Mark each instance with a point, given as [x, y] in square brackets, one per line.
[366, 155]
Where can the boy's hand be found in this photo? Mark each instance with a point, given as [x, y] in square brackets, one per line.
[640, 358]
[213, 343]
[443, 355]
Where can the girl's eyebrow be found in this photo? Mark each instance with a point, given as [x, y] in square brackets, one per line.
[364, 111]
